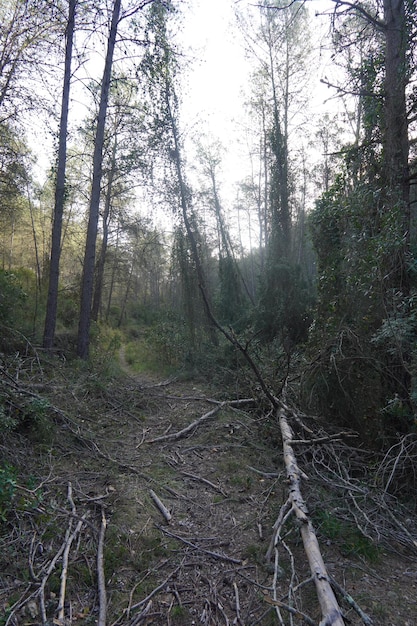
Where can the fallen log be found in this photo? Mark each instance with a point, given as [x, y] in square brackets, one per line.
[331, 613]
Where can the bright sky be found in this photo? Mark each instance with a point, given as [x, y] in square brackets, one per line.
[212, 101]
[215, 82]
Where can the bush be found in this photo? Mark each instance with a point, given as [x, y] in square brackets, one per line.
[12, 297]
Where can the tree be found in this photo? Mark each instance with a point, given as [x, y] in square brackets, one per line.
[160, 64]
[90, 246]
[361, 231]
[124, 166]
[280, 45]
[13, 179]
[25, 41]
[231, 300]
[52, 301]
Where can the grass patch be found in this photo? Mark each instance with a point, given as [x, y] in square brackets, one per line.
[348, 537]
[143, 359]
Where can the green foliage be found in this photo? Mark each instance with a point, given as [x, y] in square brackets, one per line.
[12, 297]
[361, 339]
[105, 346]
[21, 412]
[8, 421]
[230, 301]
[284, 304]
[180, 615]
[13, 175]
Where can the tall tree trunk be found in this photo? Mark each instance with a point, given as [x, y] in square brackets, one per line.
[52, 301]
[396, 153]
[83, 343]
[396, 125]
[98, 288]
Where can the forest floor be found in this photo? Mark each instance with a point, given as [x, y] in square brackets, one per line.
[93, 489]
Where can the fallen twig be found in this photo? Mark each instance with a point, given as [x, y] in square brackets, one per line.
[215, 555]
[264, 474]
[284, 513]
[154, 591]
[324, 439]
[49, 571]
[160, 506]
[292, 610]
[65, 557]
[101, 581]
[238, 619]
[19, 604]
[138, 618]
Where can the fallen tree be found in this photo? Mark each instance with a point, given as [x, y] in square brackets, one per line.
[331, 613]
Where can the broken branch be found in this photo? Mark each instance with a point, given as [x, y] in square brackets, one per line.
[160, 506]
[100, 573]
[181, 433]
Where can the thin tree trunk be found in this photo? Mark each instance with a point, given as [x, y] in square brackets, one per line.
[83, 343]
[37, 261]
[124, 303]
[52, 301]
[113, 275]
[35, 242]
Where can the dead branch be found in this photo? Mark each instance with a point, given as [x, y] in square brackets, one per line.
[160, 506]
[101, 581]
[293, 611]
[284, 513]
[157, 589]
[64, 571]
[20, 603]
[326, 439]
[264, 474]
[51, 567]
[238, 619]
[195, 424]
[403, 528]
[215, 555]
[65, 556]
[138, 618]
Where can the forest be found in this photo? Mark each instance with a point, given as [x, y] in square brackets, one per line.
[235, 310]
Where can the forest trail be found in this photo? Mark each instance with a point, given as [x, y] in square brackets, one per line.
[223, 483]
[190, 486]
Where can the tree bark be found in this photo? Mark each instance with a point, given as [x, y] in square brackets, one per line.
[83, 343]
[52, 301]
[396, 144]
